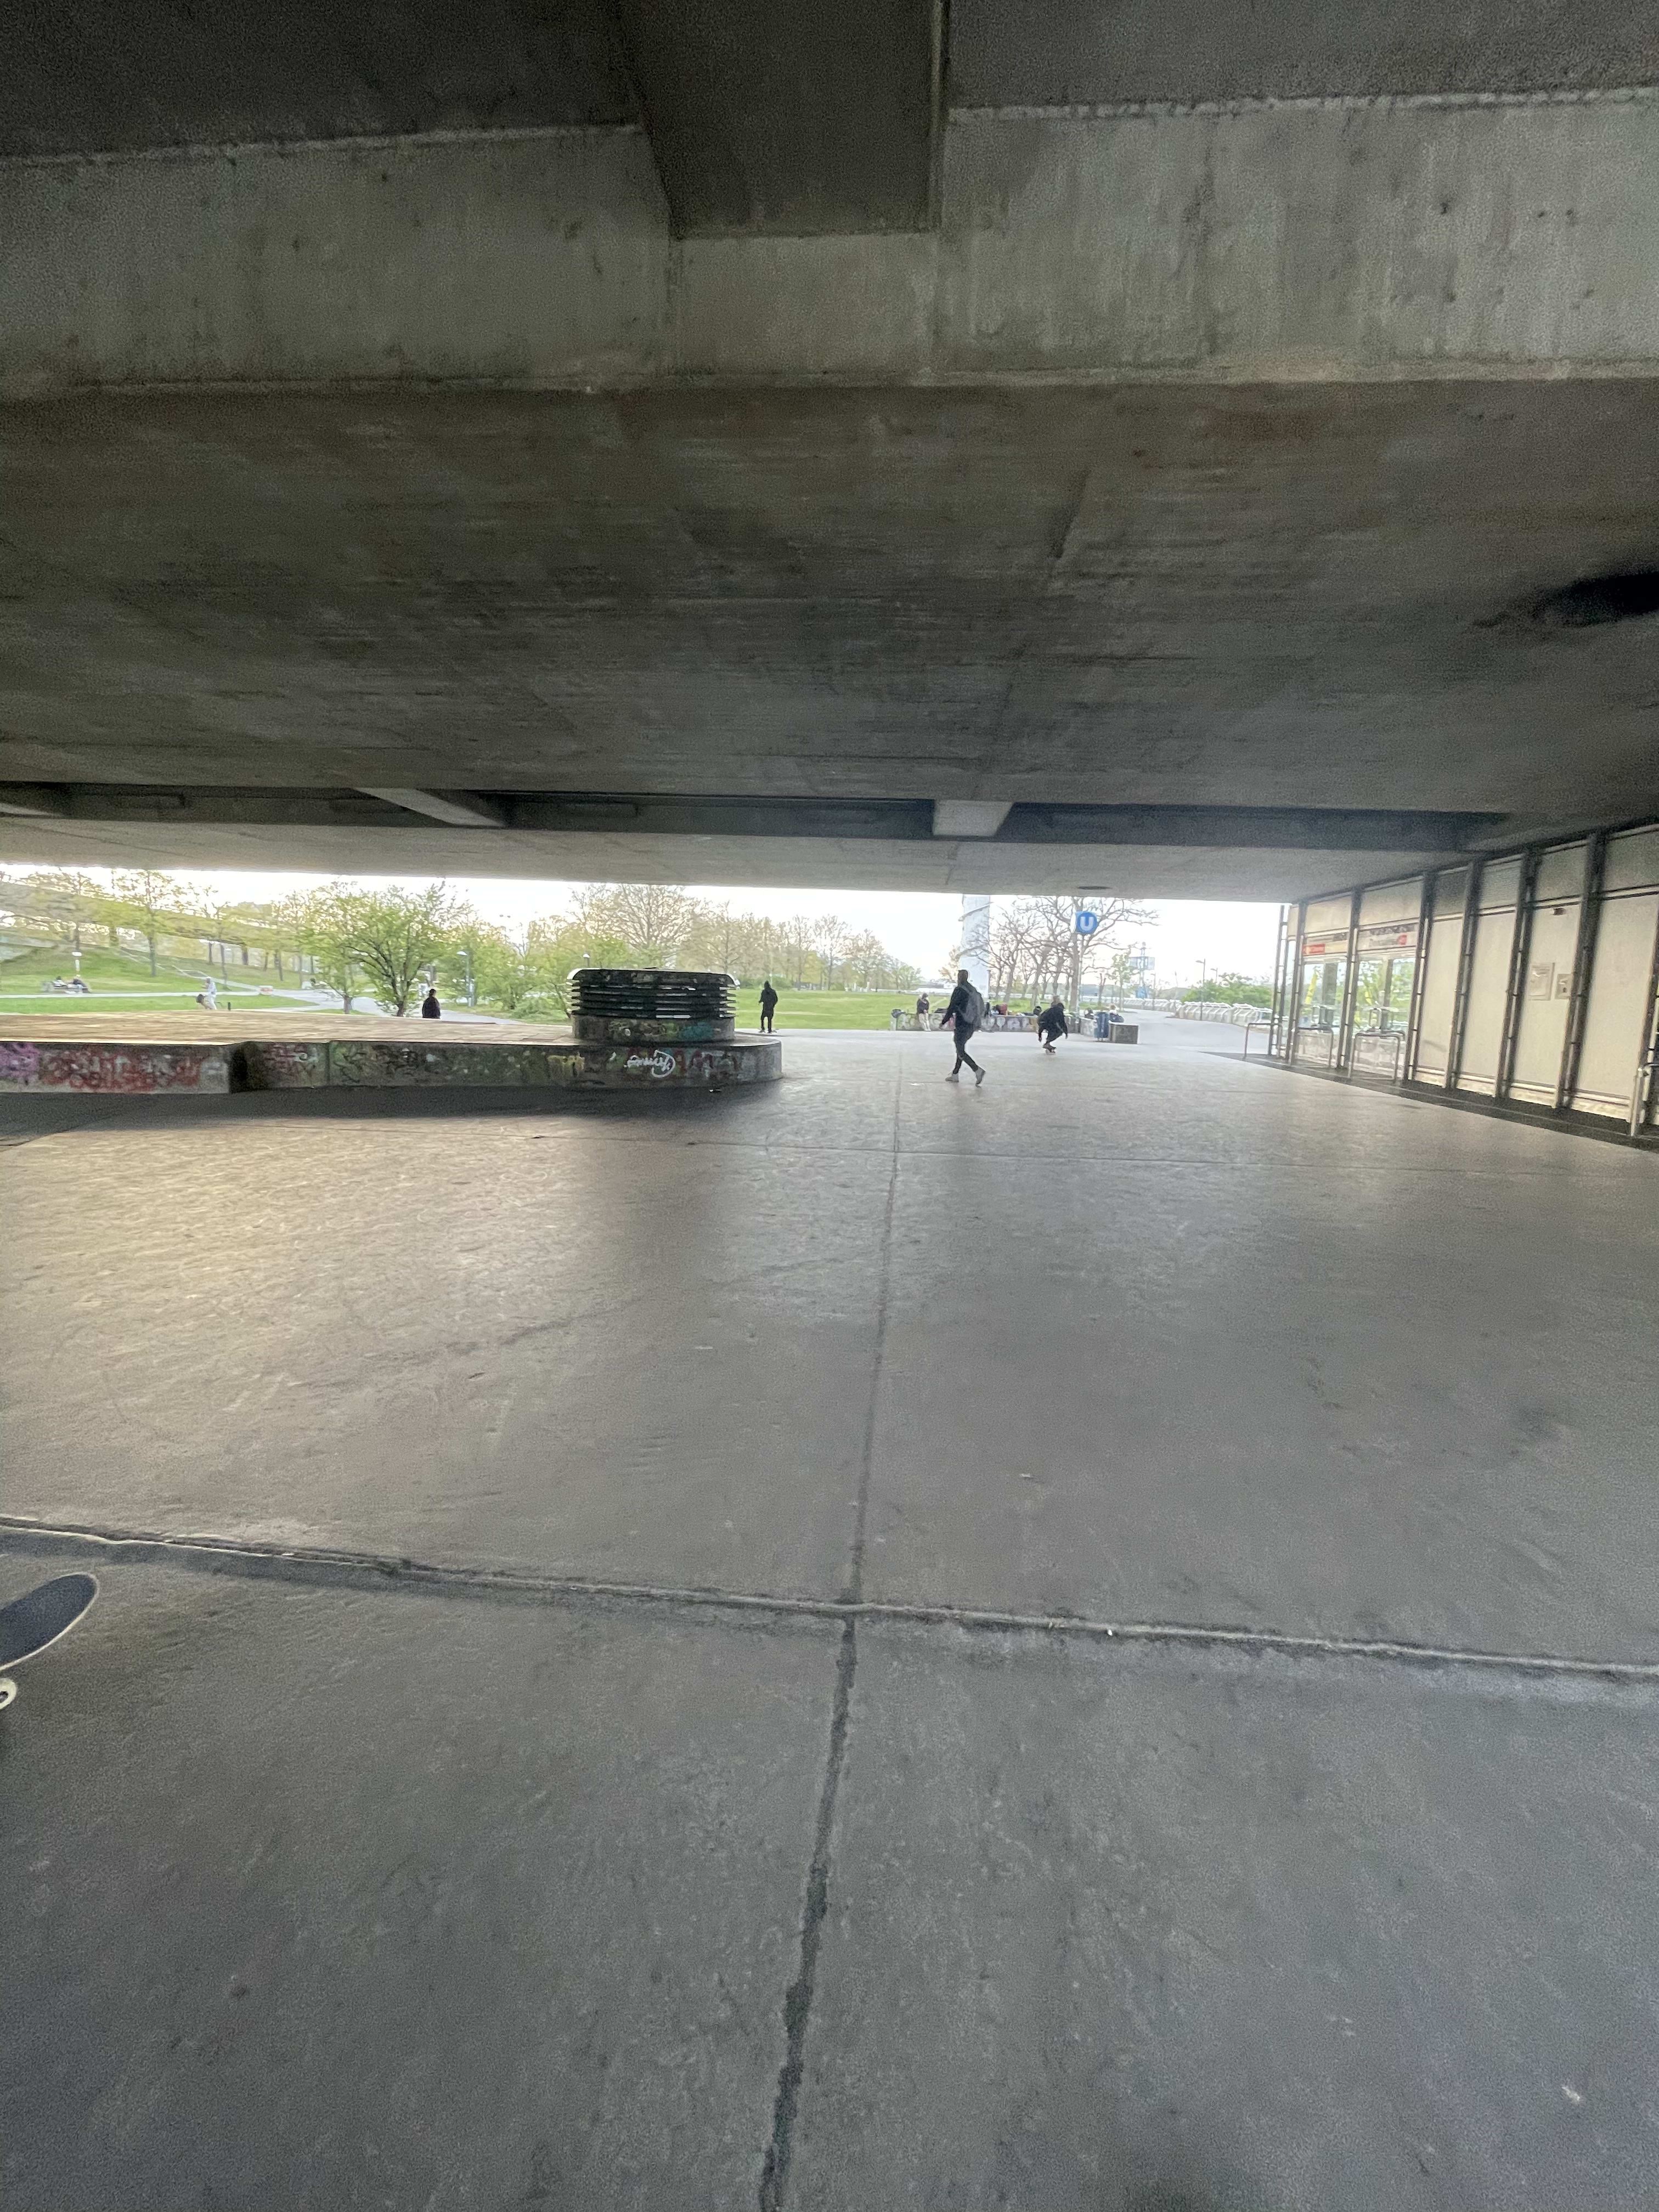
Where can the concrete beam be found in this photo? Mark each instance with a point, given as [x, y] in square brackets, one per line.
[969, 818]
[33, 799]
[1328, 239]
[1355, 829]
[765, 116]
[462, 810]
[923, 864]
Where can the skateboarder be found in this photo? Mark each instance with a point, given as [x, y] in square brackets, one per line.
[768, 1003]
[966, 1011]
[1051, 1023]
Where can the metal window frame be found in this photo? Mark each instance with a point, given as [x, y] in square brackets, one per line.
[1344, 1059]
[1293, 983]
[1584, 967]
[1592, 898]
[1520, 947]
[1477, 867]
[1281, 947]
[1641, 1096]
[1414, 1011]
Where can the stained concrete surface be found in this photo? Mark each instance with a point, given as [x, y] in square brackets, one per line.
[321, 1898]
[1258, 1937]
[1161, 1336]
[1141, 1332]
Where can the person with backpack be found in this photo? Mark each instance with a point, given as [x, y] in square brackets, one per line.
[966, 1011]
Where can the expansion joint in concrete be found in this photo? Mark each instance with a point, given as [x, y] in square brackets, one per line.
[322, 1568]
[798, 2002]
[1316, 103]
[854, 1590]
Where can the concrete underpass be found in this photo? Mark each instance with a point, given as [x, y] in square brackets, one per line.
[1091, 1643]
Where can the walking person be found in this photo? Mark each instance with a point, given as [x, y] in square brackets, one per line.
[1051, 1023]
[966, 1011]
[924, 1006]
[768, 1003]
[430, 1009]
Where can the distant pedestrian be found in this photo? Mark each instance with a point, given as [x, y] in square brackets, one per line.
[768, 1003]
[430, 1009]
[208, 997]
[924, 1006]
[1051, 1023]
[965, 1012]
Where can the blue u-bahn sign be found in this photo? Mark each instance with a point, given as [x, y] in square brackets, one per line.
[1086, 921]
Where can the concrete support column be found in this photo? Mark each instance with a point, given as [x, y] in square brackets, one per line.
[976, 941]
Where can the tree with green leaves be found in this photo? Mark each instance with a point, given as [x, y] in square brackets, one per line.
[150, 901]
[1230, 990]
[394, 935]
[61, 902]
[654, 920]
[323, 923]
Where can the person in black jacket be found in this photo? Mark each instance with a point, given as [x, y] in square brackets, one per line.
[768, 1003]
[1051, 1023]
[430, 1009]
[964, 1014]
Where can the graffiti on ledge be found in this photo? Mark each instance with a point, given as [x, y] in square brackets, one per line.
[111, 1068]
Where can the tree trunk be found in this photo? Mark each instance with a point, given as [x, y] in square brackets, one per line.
[150, 941]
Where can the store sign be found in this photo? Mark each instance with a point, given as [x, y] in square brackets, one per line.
[1382, 937]
[1373, 940]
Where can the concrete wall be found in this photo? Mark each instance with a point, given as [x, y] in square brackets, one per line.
[508, 257]
[1315, 239]
[1264, 238]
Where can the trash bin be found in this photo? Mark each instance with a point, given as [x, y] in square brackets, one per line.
[1125, 1033]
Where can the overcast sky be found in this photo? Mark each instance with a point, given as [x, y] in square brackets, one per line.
[920, 927]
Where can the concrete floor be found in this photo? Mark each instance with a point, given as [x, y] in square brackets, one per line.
[350, 1882]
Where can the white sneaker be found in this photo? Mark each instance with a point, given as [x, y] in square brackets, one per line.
[955, 1076]
[978, 1077]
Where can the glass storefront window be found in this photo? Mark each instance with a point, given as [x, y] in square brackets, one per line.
[1383, 994]
[1381, 1009]
[1319, 1011]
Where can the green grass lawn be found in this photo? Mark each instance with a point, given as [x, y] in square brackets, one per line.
[121, 982]
[827, 1010]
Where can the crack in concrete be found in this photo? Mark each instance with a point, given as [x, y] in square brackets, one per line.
[798, 2000]
[321, 1567]
[884, 1285]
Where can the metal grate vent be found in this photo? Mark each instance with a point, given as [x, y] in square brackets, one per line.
[652, 994]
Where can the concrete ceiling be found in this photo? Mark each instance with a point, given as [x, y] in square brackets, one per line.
[1310, 598]
[86, 75]
[539, 411]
